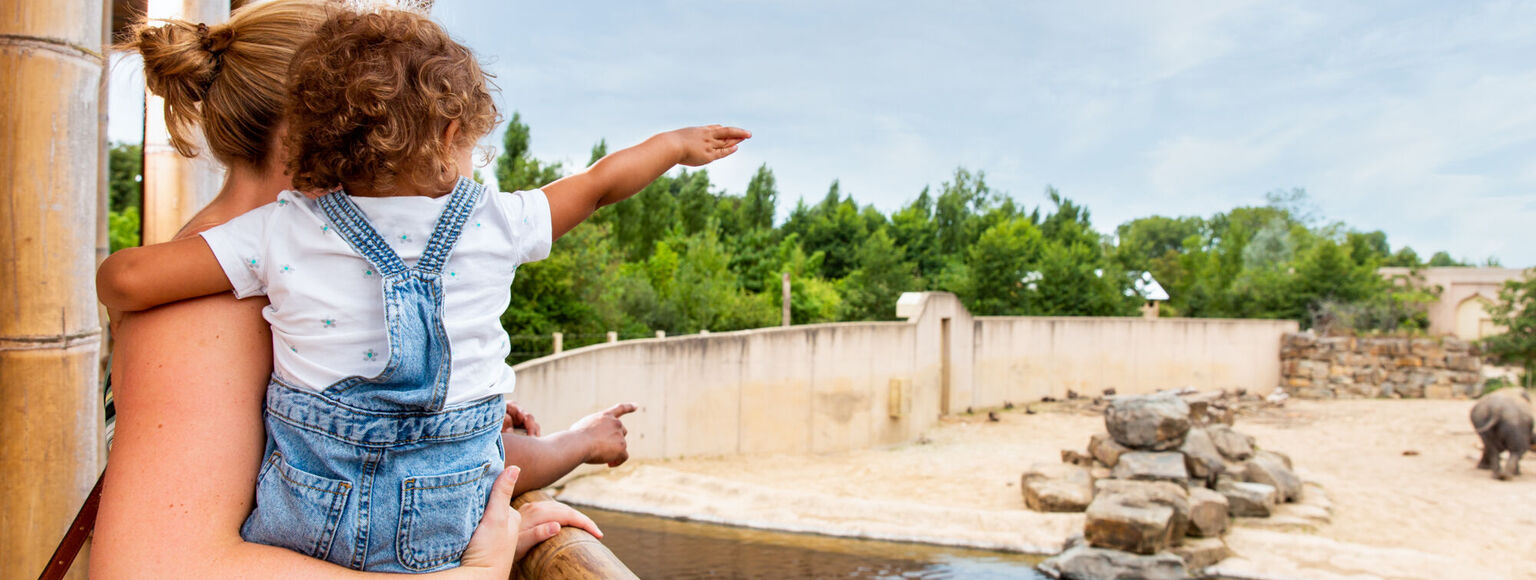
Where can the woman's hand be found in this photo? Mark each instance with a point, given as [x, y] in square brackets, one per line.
[494, 547]
[702, 145]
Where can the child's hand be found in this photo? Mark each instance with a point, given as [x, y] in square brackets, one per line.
[517, 418]
[605, 435]
[702, 145]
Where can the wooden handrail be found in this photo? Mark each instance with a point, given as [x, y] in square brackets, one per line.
[573, 553]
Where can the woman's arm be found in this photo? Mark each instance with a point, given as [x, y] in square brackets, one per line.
[189, 380]
[616, 177]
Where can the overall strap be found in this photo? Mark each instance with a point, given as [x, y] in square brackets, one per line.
[446, 234]
[355, 229]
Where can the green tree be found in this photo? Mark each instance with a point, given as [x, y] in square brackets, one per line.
[516, 169]
[125, 184]
[761, 200]
[871, 290]
[1516, 313]
[1443, 259]
[996, 278]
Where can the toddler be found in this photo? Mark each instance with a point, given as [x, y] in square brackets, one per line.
[384, 410]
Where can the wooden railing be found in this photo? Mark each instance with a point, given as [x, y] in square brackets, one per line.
[572, 553]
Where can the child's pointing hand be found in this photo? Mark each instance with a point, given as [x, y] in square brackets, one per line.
[702, 145]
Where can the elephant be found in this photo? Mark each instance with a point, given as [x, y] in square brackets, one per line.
[1503, 420]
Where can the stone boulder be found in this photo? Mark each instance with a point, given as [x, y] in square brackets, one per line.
[1149, 466]
[1273, 469]
[1231, 444]
[1249, 500]
[1207, 514]
[1089, 563]
[1201, 458]
[1148, 422]
[1145, 517]
[1104, 448]
[1202, 554]
[1057, 487]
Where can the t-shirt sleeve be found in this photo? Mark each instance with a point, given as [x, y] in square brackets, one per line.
[240, 246]
[527, 212]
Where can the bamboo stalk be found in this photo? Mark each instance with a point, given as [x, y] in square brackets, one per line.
[50, 406]
[571, 554]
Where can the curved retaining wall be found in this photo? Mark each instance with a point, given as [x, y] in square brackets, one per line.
[836, 387]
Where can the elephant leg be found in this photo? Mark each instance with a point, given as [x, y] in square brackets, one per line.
[1511, 466]
[1490, 452]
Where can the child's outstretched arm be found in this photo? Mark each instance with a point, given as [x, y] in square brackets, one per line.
[135, 279]
[616, 177]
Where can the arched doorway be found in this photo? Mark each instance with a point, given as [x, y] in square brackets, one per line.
[1472, 319]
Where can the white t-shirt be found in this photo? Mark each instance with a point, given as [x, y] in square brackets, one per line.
[327, 311]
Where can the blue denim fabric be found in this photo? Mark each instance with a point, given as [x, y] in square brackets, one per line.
[373, 473]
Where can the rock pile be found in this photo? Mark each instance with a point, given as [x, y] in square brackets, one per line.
[1347, 367]
[1169, 467]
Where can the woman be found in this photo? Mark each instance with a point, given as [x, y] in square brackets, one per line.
[189, 377]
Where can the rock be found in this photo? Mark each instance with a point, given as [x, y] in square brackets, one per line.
[1248, 500]
[1100, 472]
[1207, 514]
[1200, 404]
[1200, 455]
[1149, 466]
[1089, 563]
[1104, 448]
[1231, 444]
[1057, 487]
[1137, 516]
[1269, 468]
[1204, 553]
[1074, 457]
[1150, 422]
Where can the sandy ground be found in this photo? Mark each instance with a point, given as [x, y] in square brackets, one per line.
[1386, 504]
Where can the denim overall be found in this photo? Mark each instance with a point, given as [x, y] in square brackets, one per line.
[373, 473]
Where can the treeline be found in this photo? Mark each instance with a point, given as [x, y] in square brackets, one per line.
[685, 255]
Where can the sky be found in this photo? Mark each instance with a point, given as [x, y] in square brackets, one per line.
[1415, 118]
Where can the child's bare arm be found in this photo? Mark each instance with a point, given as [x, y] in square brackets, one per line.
[135, 279]
[616, 177]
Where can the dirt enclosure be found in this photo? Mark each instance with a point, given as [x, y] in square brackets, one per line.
[1400, 475]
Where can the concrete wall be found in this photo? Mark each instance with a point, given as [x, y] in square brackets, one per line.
[803, 389]
[1464, 295]
[829, 387]
[1026, 358]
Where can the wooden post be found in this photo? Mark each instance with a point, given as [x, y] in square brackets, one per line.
[572, 553]
[50, 155]
[613, 336]
[786, 299]
[559, 342]
[175, 187]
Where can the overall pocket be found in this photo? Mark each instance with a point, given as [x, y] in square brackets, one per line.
[438, 513]
[295, 509]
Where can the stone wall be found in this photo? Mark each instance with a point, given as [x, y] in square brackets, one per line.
[1348, 367]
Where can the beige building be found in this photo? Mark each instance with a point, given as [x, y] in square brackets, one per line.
[1465, 295]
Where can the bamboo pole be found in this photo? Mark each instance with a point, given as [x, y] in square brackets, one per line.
[175, 187]
[50, 407]
[571, 554]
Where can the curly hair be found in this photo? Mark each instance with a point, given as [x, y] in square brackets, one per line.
[370, 99]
